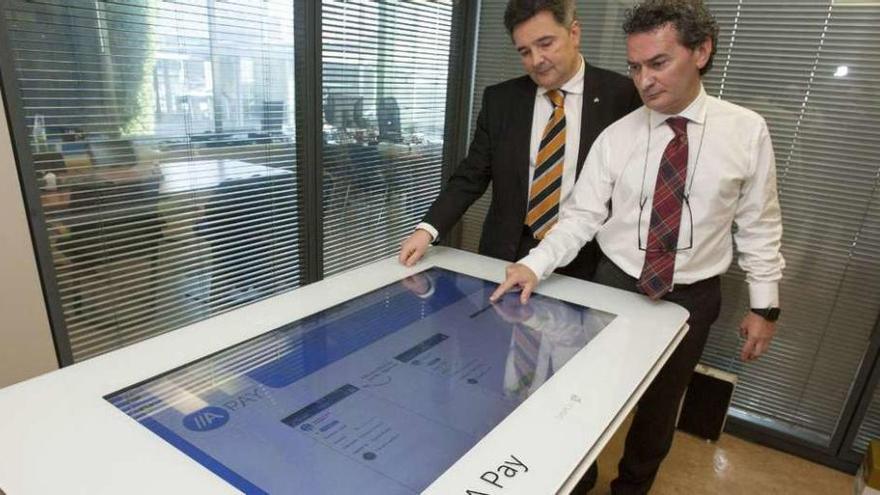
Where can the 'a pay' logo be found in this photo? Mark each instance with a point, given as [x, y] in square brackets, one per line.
[206, 419]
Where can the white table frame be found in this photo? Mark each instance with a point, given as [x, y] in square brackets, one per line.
[58, 434]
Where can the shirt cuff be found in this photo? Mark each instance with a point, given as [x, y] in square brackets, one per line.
[427, 227]
[764, 295]
[538, 263]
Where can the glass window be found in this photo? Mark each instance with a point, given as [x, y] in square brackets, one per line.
[385, 80]
[162, 141]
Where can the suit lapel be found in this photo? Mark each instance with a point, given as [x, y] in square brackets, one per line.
[589, 116]
[521, 127]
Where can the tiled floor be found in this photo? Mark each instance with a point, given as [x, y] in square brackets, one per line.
[729, 466]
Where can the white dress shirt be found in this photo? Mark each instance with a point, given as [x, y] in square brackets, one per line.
[731, 179]
[574, 98]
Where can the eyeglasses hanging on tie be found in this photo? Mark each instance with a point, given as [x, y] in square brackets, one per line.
[683, 242]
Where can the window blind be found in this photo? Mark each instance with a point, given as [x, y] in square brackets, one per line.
[869, 429]
[161, 136]
[384, 98]
[496, 61]
[810, 69]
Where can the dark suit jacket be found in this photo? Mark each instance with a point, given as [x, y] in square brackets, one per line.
[499, 153]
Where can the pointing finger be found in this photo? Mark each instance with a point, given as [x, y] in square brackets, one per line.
[503, 288]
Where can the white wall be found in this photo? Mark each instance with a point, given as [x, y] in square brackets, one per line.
[26, 348]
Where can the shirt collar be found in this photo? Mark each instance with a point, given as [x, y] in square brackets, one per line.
[695, 112]
[574, 85]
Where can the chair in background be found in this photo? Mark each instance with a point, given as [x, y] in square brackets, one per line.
[388, 116]
[112, 153]
[345, 111]
[48, 162]
[250, 224]
[366, 175]
[114, 231]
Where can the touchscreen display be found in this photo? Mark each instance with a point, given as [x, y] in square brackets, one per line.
[377, 395]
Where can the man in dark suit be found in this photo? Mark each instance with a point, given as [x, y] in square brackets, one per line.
[532, 136]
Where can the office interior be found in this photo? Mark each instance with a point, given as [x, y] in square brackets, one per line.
[164, 162]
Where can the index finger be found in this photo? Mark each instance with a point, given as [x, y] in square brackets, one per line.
[526, 293]
[748, 349]
[403, 255]
[412, 257]
[502, 288]
[761, 347]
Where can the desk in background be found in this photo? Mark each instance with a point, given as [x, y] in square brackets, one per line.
[167, 234]
[239, 215]
[206, 175]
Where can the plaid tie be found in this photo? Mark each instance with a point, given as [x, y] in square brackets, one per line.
[547, 180]
[656, 278]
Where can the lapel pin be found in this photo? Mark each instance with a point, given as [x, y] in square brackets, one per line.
[596, 100]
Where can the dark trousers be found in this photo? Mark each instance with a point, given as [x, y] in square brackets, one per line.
[653, 426]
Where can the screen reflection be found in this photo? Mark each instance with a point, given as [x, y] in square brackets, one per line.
[377, 395]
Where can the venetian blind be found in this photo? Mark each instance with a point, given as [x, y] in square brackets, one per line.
[810, 68]
[496, 61]
[384, 77]
[869, 429]
[161, 136]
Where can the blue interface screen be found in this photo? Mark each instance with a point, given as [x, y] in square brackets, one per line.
[377, 395]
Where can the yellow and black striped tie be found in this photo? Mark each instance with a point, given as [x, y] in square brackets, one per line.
[547, 181]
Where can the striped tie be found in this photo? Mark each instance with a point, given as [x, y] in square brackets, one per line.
[547, 181]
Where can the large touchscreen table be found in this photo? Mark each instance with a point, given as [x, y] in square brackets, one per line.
[377, 395]
[383, 379]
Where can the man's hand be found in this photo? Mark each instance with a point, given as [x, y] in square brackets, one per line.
[413, 247]
[518, 275]
[758, 333]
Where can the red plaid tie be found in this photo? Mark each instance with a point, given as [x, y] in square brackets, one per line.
[656, 277]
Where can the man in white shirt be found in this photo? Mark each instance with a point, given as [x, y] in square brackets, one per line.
[529, 173]
[679, 172]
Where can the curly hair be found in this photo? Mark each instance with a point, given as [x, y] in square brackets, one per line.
[691, 19]
[519, 11]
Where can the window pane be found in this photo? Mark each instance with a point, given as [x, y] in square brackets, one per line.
[162, 136]
[823, 122]
[384, 95]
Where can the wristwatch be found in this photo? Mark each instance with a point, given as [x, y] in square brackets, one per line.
[769, 314]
